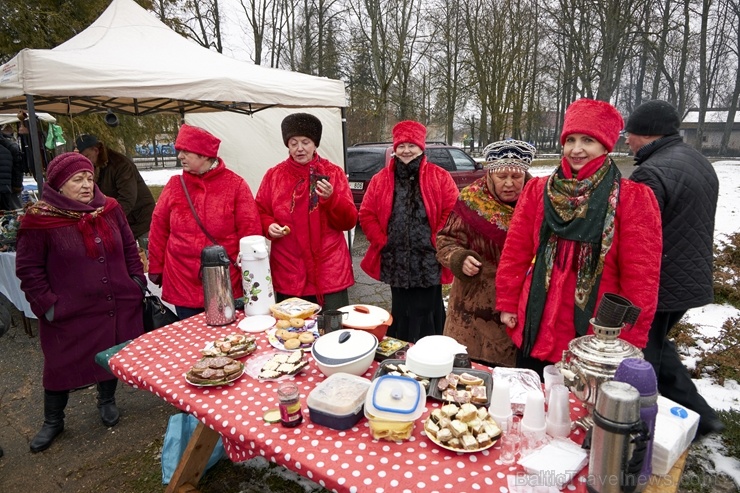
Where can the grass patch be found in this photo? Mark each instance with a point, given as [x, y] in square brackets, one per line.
[156, 191]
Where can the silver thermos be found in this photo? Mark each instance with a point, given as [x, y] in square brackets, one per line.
[218, 298]
[619, 440]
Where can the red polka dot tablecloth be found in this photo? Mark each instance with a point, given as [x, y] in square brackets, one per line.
[342, 461]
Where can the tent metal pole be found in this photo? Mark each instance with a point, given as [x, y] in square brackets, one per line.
[33, 128]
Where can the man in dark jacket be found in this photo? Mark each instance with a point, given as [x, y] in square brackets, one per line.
[11, 175]
[118, 177]
[686, 186]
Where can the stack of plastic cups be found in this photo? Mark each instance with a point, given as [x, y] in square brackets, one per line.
[558, 412]
[533, 421]
[500, 408]
[551, 375]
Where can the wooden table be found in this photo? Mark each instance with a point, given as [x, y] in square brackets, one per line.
[342, 461]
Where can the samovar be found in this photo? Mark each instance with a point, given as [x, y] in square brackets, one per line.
[593, 359]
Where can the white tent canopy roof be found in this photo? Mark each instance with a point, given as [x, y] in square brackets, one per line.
[132, 63]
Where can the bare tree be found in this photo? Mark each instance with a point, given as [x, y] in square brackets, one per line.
[202, 23]
[734, 23]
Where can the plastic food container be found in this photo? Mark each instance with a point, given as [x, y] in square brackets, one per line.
[433, 356]
[337, 401]
[347, 351]
[370, 318]
[392, 405]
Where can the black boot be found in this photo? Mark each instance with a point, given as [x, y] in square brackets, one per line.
[54, 404]
[107, 402]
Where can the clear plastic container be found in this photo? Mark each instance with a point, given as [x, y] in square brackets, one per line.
[337, 401]
[392, 406]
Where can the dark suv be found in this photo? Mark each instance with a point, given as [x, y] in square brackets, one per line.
[364, 160]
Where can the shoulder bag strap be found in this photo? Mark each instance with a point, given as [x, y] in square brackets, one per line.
[195, 214]
[197, 219]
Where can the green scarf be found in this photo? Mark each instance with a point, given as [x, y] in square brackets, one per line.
[583, 213]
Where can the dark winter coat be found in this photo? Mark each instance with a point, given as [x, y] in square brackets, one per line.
[438, 192]
[119, 178]
[96, 303]
[11, 167]
[226, 209]
[314, 258]
[686, 187]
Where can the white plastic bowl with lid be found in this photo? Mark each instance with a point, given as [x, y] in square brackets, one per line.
[433, 356]
[349, 351]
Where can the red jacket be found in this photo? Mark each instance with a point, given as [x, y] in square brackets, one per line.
[226, 209]
[439, 193]
[311, 260]
[631, 268]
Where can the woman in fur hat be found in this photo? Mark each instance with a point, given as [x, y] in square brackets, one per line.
[470, 246]
[225, 206]
[306, 206]
[405, 205]
[579, 233]
[76, 260]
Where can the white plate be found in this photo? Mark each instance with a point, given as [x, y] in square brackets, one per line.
[256, 323]
[310, 327]
[459, 450]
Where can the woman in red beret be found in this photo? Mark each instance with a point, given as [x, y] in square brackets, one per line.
[306, 207]
[225, 206]
[579, 233]
[405, 205]
[76, 257]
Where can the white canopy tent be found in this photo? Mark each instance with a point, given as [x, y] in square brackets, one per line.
[129, 62]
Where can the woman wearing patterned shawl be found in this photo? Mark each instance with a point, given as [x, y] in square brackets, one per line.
[470, 246]
[76, 260]
[305, 206]
[579, 233]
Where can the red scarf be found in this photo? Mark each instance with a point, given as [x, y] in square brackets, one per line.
[57, 211]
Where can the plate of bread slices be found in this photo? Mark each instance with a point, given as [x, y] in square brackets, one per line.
[214, 371]
[463, 386]
[232, 345]
[465, 428]
[276, 365]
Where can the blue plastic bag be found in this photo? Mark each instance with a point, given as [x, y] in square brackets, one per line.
[179, 430]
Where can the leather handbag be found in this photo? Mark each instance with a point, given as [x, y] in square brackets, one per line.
[156, 314]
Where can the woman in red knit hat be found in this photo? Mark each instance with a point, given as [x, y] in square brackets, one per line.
[225, 206]
[405, 205]
[579, 233]
[76, 260]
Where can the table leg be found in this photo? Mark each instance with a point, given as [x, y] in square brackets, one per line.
[27, 325]
[194, 460]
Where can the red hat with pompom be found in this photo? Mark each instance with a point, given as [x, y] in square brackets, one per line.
[409, 131]
[598, 119]
[197, 140]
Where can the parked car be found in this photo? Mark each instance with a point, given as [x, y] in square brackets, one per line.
[364, 160]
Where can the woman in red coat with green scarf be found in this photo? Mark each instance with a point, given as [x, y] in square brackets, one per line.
[579, 233]
[306, 207]
[76, 260]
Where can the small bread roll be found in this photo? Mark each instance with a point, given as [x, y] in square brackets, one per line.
[306, 338]
[292, 344]
[297, 322]
[286, 230]
[290, 335]
[282, 324]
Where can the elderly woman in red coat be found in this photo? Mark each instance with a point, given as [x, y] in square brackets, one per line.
[579, 233]
[306, 206]
[225, 206]
[405, 205]
[76, 260]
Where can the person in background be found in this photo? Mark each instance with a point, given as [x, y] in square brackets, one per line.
[686, 187]
[76, 260]
[11, 174]
[225, 206]
[470, 246]
[579, 233]
[306, 207]
[405, 206]
[118, 177]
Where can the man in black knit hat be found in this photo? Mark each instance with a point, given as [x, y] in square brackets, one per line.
[686, 186]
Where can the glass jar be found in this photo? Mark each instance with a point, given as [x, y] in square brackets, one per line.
[290, 405]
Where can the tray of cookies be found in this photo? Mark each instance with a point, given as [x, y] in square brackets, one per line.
[465, 428]
[293, 334]
[276, 365]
